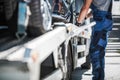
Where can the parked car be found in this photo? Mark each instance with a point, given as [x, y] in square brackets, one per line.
[40, 19]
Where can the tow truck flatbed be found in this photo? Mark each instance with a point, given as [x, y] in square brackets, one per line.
[33, 51]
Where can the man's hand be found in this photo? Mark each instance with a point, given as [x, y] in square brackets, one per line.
[84, 11]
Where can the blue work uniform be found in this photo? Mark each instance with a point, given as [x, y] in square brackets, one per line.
[102, 16]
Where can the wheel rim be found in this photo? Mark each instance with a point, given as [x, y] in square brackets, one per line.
[47, 18]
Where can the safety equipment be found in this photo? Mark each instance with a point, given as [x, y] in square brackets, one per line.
[78, 24]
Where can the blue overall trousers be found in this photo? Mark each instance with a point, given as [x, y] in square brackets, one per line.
[98, 44]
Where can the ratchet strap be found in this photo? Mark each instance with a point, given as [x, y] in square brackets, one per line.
[22, 13]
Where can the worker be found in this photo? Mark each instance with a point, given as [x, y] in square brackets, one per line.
[101, 10]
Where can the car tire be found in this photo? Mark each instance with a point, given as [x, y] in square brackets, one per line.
[69, 62]
[11, 11]
[40, 19]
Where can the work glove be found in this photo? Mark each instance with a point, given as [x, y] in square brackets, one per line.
[78, 24]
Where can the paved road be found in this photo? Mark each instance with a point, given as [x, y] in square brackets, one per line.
[112, 69]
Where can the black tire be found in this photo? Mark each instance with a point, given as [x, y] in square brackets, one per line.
[11, 11]
[10, 6]
[2, 13]
[38, 23]
[69, 63]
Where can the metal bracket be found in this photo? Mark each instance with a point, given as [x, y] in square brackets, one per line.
[21, 35]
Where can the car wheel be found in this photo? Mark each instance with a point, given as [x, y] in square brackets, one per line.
[40, 19]
[69, 63]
